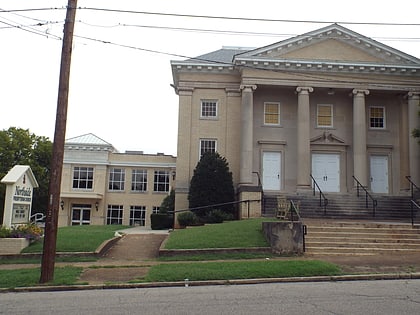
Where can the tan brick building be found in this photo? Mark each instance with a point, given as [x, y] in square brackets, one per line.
[331, 103]
[102, 186]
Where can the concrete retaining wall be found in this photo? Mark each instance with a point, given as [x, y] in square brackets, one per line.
[12, 246]
[285, 237]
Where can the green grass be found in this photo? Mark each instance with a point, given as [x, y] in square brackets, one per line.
[24, 260]
[217, 256]
[230, 234]
[30, 277]
[80, 238]
[241, 270]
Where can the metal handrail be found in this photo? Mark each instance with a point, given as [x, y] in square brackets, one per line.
[413, 204]
[412, 201]
[321, 194]
[294, 209]
[374, 201]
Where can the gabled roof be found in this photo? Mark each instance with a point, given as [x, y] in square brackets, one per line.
[344, 42]
[89, 140]
[17, 172]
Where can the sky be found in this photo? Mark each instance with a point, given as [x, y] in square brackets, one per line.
[120, 80]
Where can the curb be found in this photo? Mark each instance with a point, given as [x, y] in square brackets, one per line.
[188, 283]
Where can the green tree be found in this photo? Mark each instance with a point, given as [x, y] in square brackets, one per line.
[168, 203]
[21, 147]
[416, 131]
[211, 184]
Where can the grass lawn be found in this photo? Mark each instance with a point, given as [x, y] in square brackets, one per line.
[78, 238]
[230, 234]
[241, 270]
[30, 277]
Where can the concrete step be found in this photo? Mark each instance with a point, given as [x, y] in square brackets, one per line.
[314, 250]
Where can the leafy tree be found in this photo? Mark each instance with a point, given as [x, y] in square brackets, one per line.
[416, 131]
[211, 184]
[20, 147]
[168, 203]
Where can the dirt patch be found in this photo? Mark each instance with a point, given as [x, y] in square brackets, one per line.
[113, 275]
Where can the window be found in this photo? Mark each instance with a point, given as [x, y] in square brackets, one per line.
[155, 209]
[324, 116]
[114, 214]
[161, 181]
[139, 180]
[116, 179]
[138, 215]
[377, 117]
[272, 113]
[82, 177]
[207, 145]
[208, 109]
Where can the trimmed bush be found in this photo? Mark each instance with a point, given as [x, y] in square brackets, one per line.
[187, 218]
[161, 221]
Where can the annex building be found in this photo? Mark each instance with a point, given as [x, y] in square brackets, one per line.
[102, 186]
[331, 104]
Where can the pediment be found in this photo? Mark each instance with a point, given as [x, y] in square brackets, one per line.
[333, 43]
[327, 138]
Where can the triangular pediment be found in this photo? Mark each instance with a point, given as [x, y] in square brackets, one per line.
[327, 138]
[333, 43]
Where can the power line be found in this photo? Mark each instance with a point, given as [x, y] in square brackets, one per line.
[248, 18]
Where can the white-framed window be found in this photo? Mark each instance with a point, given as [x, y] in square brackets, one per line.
[208, 109]
[155, 209]
[139, 180]
[138, 215]
[377, 117]
[82, 177]
[114, 214]
[207, 145]
[324, 115]
[271, 113]
[116, 179]
[161, 181]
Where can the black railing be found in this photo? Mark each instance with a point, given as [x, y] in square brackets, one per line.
[248, 201]
[321, 194]
[412, 201]
[367, 195]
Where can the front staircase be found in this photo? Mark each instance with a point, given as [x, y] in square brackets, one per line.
[348, 227]
[335, 237]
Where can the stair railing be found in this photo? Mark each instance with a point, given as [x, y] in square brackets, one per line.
[412, 201]
[367, 195]
[321, 194]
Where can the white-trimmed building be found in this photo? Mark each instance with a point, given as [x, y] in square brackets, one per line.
[331, 103]
[102, 186]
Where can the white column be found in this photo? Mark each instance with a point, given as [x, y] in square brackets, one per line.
[303, 139]
[359, 136]
[413, 145]
[247, 116]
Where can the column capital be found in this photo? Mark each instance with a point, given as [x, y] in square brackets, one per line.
[413, 94]
[248, 87]
[357, 92]
[304, 89]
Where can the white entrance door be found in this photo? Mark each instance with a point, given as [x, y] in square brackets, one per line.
[271, 171]
[80, 215]
[326, 171]
[379, 174]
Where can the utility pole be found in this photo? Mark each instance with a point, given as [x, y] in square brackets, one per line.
[51, 221]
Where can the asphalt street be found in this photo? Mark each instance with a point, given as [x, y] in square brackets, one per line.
[342, 297]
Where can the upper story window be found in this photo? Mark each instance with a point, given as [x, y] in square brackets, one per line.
[82, 177]
[116, 179]
[324, 116]
[208, 109]
[207, 145]
[377, 117]
[139, 180]
[271, 113]
[161, 181]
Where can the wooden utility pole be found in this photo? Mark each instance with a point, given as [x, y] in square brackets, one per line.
[51, 221]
